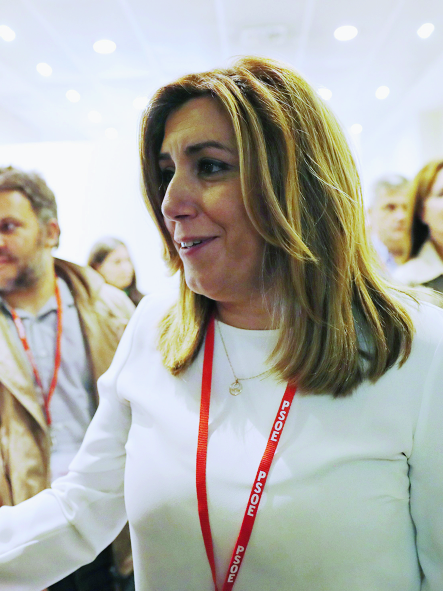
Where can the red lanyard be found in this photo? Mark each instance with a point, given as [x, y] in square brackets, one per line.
[22, 334]
[260, 479]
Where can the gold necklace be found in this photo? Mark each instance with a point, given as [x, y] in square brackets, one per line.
[236, 388]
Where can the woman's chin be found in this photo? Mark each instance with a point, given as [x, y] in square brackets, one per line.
[209, 289]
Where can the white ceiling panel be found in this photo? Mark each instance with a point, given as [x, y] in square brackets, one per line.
[157, 42]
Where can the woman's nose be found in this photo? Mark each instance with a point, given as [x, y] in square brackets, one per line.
[179, 201]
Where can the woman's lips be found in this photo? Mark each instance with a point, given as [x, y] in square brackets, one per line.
[5, 260]
[199, 244]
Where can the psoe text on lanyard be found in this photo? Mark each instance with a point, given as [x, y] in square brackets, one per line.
[260, 479]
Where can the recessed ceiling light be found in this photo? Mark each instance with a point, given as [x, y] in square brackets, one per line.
[44, 69]
[345, 33]
[6, 33]
[325, 93]
[94, 117]
[111, 133]
[73, 96]
[140, 102]
[104, 46]
[382, 92]
[356, 128]
[425, 30]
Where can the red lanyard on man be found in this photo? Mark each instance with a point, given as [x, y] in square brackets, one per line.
[260, 479]
[22, 334]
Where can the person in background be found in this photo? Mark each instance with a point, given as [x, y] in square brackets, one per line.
[424, 264]
[388, 216]
[283, 339]
[110, 257]
[59, 328]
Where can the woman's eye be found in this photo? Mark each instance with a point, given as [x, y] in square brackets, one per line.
[208, 167]
[166, 176]
[8, 227]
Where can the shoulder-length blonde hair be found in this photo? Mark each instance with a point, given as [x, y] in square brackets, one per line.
[302, 193]
[421, 187]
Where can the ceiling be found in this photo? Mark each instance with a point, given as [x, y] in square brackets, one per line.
[158, 41]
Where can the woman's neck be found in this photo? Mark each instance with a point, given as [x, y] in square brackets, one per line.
[253, 315]
[439, 248]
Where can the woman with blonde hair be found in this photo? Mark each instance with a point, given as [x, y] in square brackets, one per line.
[425, 262]
[110, 257]
[278, 425]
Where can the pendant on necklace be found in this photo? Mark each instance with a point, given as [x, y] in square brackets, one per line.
[235, 388]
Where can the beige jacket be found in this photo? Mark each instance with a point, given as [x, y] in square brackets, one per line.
[104, 312]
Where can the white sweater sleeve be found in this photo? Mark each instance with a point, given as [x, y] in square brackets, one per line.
[426, 477]
[49, 536]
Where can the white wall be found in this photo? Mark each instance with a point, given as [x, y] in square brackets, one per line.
[98, 193]
[405, 148]
[411, 135]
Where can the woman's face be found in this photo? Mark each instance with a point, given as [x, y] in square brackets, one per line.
[203, 207]
[432, 213]
[117, 268]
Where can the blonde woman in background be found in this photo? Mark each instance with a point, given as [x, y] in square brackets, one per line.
[110, 257]
[283, 338]
[425, 261]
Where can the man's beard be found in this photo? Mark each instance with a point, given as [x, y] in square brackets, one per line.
[26, 277]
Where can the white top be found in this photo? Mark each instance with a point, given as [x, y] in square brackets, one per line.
[350, 479]
[423, 268]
